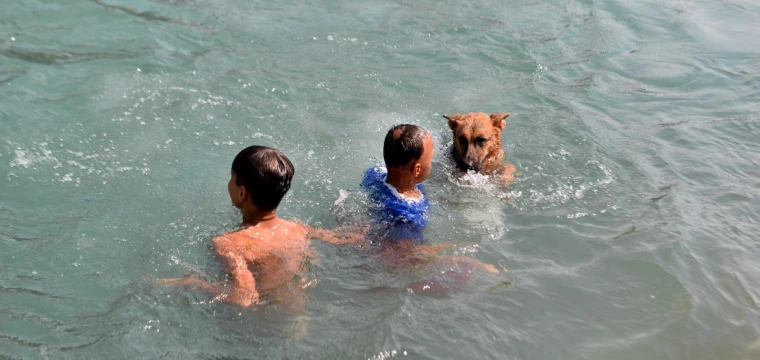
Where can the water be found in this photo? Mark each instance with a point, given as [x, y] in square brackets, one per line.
[631, 233]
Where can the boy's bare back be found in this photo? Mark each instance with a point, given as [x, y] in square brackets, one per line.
[263, 259]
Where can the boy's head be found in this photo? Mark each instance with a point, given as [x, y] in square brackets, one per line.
[409, 147]
[262, 174]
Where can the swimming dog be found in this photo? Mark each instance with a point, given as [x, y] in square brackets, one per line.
[477, 144]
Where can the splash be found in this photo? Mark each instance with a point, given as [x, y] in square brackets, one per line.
[68, 166]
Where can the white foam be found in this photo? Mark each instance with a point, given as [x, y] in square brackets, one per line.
[472, 179]
[102, 164]
[576, 215]
[21, 159]
[343, 195]
[27, 159]
[385, 354]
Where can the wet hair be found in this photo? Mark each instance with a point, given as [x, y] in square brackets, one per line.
[265, 173]
[403, 143]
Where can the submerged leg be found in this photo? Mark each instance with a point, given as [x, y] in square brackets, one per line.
[452, 279]
[454, 272]
[212, 289]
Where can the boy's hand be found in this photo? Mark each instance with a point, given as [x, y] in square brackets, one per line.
[479, 264]
[240, 297]
[490, 268]
[430, 251]
[353, 234]
[349, 235]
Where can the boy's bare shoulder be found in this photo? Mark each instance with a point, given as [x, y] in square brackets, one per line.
[230, 240]
[296, 226]
[223, 241]
[296, 229]
[284, 230]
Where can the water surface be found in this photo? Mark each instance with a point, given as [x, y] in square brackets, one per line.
[631, 233]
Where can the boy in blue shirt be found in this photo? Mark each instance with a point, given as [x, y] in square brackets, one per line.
[399, 209]
[399, 204]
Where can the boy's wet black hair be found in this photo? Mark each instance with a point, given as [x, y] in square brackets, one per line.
[403, 143]
[265, 173]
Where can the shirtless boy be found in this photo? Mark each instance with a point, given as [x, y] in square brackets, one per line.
[267, 256]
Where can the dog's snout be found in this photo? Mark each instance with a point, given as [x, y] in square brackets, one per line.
[472, 161]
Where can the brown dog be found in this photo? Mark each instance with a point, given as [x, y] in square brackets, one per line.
[477, 144]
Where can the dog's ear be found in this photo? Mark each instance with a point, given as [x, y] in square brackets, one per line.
[498, 120]
[453, 120]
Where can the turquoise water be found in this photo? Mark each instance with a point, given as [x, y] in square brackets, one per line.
[631, 233]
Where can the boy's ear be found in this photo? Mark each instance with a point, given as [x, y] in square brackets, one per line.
[453, 120]
[243, 194]
[417, 169]
[498, 120]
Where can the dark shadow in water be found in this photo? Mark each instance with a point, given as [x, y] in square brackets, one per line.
[37, 319]
[6, 77]
[58, 57]
[701, 123]
[4, 289]
[118, 303]
[147, 15]
[19, 341]
[94, 342]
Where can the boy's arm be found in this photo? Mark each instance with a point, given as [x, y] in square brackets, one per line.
[243, 292]
[477, 263]
[433, 250]
[330, 236]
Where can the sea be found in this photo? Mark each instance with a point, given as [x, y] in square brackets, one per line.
[632, 230]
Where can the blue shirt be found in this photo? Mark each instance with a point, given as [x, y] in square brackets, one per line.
[394, 216]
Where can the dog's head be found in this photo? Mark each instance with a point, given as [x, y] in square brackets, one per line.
[477, 140]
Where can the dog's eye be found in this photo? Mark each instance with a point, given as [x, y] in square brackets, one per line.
[463, 140]
[480, 141]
